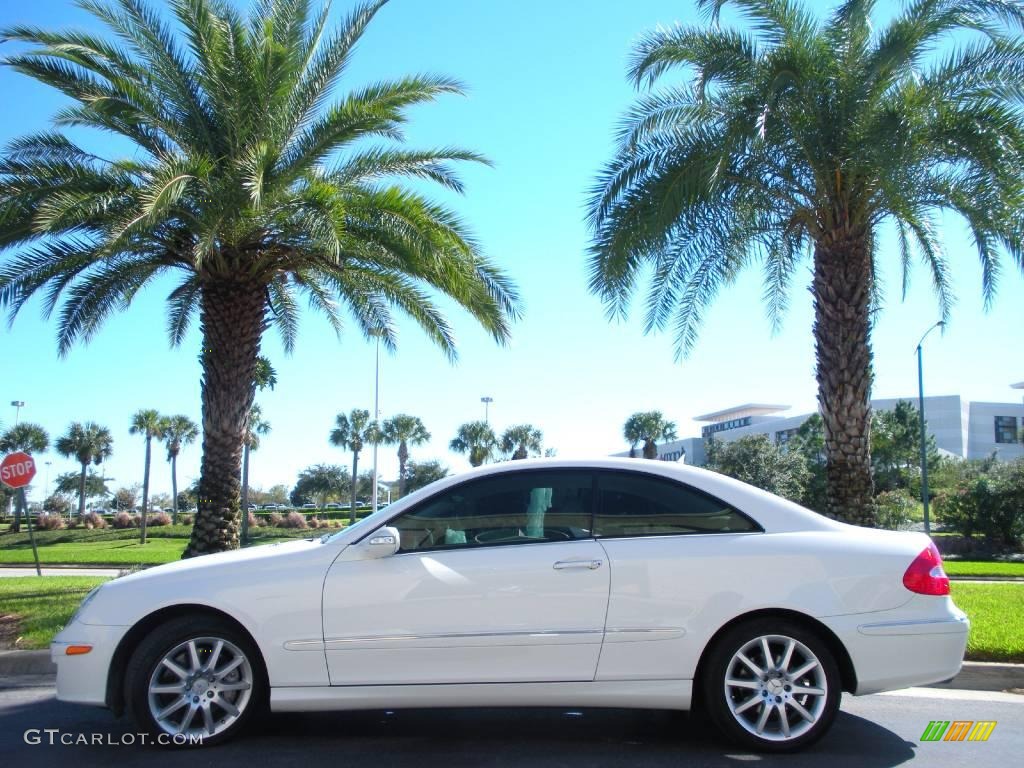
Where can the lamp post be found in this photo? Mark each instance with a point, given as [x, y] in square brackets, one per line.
[46, 485]
[376, 413]
[924, 439]
[18, 405]
[487, 400]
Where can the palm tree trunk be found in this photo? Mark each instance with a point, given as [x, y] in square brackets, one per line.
[520, 453]
[403, 459]
[145, 493]
[842, 328]
[81, 492]
[232, 320]
[16, 525]
[650, 449]
[355, 466]
[245, 494]
[174, 489]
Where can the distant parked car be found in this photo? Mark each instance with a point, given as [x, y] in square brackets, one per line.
[253, 507]
[309, 506]
[333, 505]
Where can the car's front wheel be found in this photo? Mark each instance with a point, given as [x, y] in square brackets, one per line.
[194, 680]
[772, 685]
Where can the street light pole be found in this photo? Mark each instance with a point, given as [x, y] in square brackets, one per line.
[46, 485]
[924, 438]
[487, 400]
[376, 416]
[18, 405]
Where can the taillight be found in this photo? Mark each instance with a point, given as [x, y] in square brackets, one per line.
[925, 575]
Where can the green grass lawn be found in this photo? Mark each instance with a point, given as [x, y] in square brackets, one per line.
[118, 547]
[975, 568]
[996, 612]
[33, 609]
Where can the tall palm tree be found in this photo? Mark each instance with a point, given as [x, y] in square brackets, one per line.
[799, 137]
[148, 423]
[477, 440]
[246, 178]
[177, 432]
[27, 437]
[255, 427]
[403, 430]
[353, 432]
[88, 443]
[522, 439]
[648, 427]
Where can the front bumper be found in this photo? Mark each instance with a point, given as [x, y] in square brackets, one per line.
[83, 678]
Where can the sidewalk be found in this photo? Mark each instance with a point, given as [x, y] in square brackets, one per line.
[21, 570]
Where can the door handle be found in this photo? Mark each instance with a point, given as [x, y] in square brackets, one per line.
[592, 565]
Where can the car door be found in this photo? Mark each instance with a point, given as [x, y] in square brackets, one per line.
[497, 580]
[679, 563]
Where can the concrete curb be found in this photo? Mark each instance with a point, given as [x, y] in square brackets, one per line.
[975, 675]
[15, 663]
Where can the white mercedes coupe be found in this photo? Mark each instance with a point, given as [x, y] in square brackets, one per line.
[605, 583]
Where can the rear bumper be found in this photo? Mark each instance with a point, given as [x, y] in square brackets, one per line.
[83, 678]
[920, 643]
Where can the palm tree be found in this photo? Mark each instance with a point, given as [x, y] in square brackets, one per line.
[177, 432]
[403, 430]
[88, 443]
[521, 439]
[27, 437]
[352, 432]
[477, 439]
[800, 137]
[255, 427]
[245, 176]
[648, 427]
[148, 423]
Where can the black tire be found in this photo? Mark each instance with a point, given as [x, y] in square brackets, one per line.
[146, 666]
[773, 691]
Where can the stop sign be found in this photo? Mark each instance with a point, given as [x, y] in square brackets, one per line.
[17, 470]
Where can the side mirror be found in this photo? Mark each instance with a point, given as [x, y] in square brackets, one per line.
[383, 542]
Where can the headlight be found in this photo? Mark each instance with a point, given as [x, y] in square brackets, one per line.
[85, 602]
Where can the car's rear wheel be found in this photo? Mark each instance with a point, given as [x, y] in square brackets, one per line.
[772, 685]
[194, 680]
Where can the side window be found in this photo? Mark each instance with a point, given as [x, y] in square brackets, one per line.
[644, 505]
[514, 508]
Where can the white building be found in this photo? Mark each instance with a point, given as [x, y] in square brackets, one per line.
[963, 428]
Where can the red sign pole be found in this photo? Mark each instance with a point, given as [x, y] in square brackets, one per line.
[16, 471]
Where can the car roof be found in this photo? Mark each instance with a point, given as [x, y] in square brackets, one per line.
[773, 513]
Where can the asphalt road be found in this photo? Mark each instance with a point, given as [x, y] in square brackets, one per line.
[871, 732]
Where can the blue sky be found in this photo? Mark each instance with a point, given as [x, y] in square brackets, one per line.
[546, 87]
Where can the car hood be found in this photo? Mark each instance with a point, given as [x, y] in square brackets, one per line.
[216, 580]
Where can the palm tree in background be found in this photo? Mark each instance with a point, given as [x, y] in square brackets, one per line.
[403, 430]
[246, 178]
[648, 427]
[352, 432]
[477, 440]
[255, 427]
[796, 138]
[148, 423]
[176, 432]
[522, 439]
[88, 443]
[27, 437]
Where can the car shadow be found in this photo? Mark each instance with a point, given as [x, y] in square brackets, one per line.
[451, 738]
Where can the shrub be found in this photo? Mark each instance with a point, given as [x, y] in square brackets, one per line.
[275, 520]
[93, 521]
[894, 509]
[254, 521]
[185, 519]
[123, 520]
[160, 518]
[987, 501]
[49, 522]
[294, 520]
